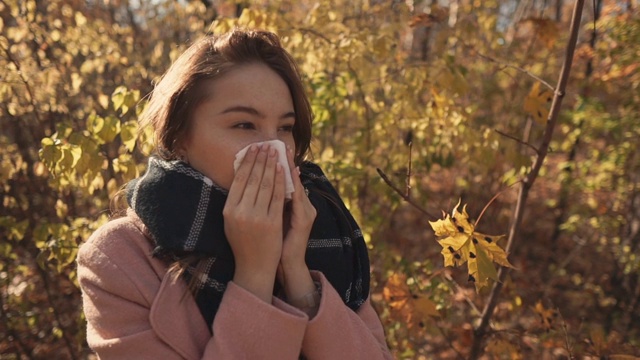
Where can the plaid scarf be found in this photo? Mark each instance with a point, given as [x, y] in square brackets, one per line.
[182, 209]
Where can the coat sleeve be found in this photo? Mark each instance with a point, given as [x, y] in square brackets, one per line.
[119, 287]
[336, 329]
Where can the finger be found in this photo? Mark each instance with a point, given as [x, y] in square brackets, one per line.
[265, 190]
[255, 177]
[242, 175]
[276, 207]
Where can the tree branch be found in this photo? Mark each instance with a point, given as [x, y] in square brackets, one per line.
[481, 330]
[518, 68]
[403, 195]
[517, 140]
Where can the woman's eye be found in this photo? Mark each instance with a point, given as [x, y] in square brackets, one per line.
[286, 128]
[244, 125]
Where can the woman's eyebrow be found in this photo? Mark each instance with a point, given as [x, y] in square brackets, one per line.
[290, 114]
[244, 109]
[252, 111]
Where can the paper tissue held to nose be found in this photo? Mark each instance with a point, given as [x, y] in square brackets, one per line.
[282, 159]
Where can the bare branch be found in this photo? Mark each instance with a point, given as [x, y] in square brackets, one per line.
[517, 140]
[408, 179]
[518, 68]
[403, 195]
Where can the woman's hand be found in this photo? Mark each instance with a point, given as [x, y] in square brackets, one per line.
[253, 220]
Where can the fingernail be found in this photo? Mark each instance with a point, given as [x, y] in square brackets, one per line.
[298, 169]
[278, 167]
[272, 151]
[254, 148]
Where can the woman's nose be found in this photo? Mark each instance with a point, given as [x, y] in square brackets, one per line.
[270, 135]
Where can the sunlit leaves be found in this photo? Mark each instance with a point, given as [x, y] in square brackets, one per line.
[50, 152]
[58, 242]
[15, 230]
[123, 98]
[66, 145]
[105, 129]
[128, 134]
[461, 243]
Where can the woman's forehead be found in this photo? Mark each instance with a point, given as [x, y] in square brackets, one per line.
[251, 85]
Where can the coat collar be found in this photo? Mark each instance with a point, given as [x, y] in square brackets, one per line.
[176, 319]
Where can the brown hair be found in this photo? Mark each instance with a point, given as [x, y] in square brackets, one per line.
[178, 93]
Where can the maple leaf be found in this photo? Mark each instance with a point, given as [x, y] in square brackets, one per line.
[414, 309]
[546, 315]
[462, 244]
[537, 103]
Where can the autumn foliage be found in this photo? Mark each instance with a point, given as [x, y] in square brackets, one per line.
[447, 99]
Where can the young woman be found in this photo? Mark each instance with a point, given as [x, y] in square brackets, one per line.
[211, 262]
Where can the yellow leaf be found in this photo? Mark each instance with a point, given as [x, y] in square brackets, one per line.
[537, 103]
[55, 35]
[80, 19]
[109, 129]
[118, 97]
[61, 209]
[546, 315]
[50, 152]
[76, 81]
[128, 134]
[462, 244]
[103, 100]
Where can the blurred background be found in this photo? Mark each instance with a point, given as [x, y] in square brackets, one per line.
[447, 98]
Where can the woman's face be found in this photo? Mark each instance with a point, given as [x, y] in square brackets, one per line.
[248, 104]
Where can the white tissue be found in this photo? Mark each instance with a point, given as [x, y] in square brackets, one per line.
[281, 150]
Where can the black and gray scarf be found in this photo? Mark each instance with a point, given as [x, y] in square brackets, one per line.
[183, 211]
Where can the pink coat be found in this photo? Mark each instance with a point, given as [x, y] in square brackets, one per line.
[136, 310]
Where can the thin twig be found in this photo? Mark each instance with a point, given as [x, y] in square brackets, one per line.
[408, 180]
[492, 200]
[567, 340]
[518, 140]
[315, 33]
[459, 288]
[515, 67]
[401, 193]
